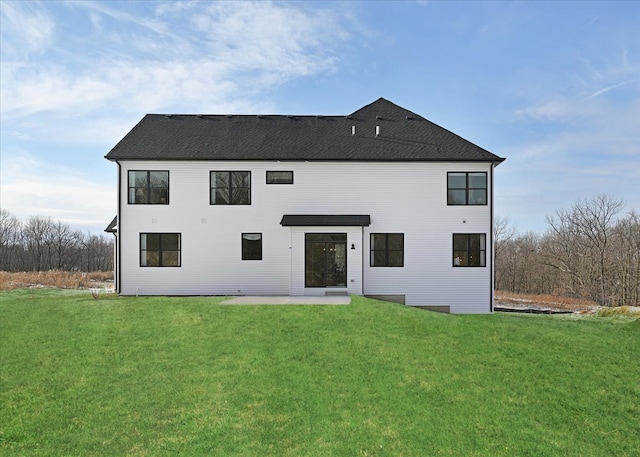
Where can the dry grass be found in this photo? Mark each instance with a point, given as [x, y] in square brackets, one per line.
[547, 301]
[620, 311]
[53, 278]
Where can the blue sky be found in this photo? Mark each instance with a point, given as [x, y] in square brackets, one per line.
[552, 86]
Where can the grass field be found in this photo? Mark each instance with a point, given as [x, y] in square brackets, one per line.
[160, 376]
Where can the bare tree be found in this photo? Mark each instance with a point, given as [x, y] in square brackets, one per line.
[586, 252]
[66, 242]
[10, 240]
[594, 220]
[44, 244]
[37, 234]
[502, 232]
[625, 260]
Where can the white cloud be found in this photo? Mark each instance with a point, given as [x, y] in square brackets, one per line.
[611, 87]
[24, 29]
[230, 44]
[32, 187]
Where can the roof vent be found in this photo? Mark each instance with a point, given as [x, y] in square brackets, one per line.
[229, 116]
[199, 116]
[319, 116]
[169, 116]
[408, 117]
[377, 130]
[349, 116]
[289, 116]
[379, 117]
[260, 116]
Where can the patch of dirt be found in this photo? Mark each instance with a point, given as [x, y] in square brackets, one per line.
[542, 304]
[55, 278]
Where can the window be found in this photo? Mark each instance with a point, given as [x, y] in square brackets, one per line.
[467, 188]
[159, 249]
[148, 187]
[387, 249]
[469, 250]
[279, 177]
[252, 246]
[230, 188]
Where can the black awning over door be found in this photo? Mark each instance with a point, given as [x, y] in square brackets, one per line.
[325, 220]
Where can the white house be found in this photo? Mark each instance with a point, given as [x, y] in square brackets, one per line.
[380, 202]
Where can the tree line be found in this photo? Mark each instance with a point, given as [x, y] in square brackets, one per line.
[588, 251]
[41, 244]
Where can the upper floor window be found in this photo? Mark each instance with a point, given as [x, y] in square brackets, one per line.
[230, 188]
[279, 177]
[252, 246]
[467, 188]
[469, 250]
[387, 249]
[160, 249]
[148, 187]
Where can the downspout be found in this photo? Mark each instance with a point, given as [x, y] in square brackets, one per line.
[362, 255]
[119, 236]
[493, 255]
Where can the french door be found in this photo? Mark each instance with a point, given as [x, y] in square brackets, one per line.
[326, 260]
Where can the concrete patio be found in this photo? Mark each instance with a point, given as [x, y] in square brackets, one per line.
[288, 300]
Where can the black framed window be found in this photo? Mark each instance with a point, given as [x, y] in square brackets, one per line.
[148, 187]
[279, 177]
[467, 188]
[252, 246]
[230, 188]
[160, 250]
[387, 249]
[469, 250]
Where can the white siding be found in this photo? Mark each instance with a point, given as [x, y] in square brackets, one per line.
[409, 198]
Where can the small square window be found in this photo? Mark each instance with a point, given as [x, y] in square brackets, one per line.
[469, 250]
[160, 249]
[279, 177]
[387, 250]
[467, 188]
[230, 188]
[148, 187]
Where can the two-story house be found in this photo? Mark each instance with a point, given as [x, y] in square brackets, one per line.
[380, 202]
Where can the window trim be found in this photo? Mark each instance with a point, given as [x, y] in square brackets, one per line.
[242, 247]
[211, 203]
[467, 188]
[148, 187]
[160, 250]
[468, 250]
[278, 171]
[386, 250]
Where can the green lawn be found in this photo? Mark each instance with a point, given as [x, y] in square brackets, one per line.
[159, 376]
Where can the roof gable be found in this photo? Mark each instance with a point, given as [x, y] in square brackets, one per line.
[380, 131]
[383, 108]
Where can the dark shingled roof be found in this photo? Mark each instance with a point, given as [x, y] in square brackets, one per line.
[319, 220]
[402, 136]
